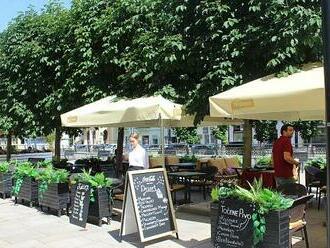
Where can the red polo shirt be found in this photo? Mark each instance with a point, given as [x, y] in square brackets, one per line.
[282, 167]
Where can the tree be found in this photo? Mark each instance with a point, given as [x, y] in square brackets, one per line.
[220, 133]
[188, 135]
[265, 131]
[307, 129]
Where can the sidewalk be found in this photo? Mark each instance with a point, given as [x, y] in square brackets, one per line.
[24, 227]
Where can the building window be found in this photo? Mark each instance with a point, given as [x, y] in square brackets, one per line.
[145, 140]
[155, 140]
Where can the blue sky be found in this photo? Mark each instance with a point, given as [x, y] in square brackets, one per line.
[10, 8]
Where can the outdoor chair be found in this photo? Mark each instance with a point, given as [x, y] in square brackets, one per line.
[297, 218]
[176, 185]
[205, 182]
[293, 189]
[312, 180]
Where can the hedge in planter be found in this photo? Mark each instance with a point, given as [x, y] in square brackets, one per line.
[5, 179]
[270, 218]
[53, 189]
[100, 199]
[26, 186]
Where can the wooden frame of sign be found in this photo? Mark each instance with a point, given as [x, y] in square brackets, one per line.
[131, 219]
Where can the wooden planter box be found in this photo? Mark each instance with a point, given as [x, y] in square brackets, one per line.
[5, 184]
[101, 207]
[277, 228]
[28, 191]
[55, 197]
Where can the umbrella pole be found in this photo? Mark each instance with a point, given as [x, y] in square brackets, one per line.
[326, 56]
[162, 141]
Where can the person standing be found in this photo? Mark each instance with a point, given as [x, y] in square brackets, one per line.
[138, 158]
[284, 164]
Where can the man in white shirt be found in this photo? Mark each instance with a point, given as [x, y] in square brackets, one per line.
[138, 158]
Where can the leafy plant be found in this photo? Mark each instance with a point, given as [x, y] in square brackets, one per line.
[265, 199]
[188, 159]
[4, 167]
[264, 161]
[97, 181]
[49, 176]
[319, 162]
[25, 169]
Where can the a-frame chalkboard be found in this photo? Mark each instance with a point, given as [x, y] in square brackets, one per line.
[148, 207]
[80, 205]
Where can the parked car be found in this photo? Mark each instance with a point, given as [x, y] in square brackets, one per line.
[110, 147]
[203, 149]
[80, 148]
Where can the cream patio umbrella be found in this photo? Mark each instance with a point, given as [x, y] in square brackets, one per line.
[153, 111]
[299, 96]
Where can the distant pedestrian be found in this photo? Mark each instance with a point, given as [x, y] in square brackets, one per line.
[286, 167]
[138, 158]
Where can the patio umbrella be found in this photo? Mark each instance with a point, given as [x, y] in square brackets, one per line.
[141, 112]
[299, 96]
[153, 111]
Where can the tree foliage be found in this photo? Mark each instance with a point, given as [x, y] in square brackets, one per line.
[265, 131]
[221, 133]
[59, 59]
[188, 135]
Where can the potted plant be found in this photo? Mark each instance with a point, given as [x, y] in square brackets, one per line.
[100, 199]
[270, 217]
[5, 179]
[53, 189]
[25, 186]
[263, 162]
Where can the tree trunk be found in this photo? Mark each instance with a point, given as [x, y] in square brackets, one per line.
[120, 148]
[247, 138]
[58, 136]
[8, 147]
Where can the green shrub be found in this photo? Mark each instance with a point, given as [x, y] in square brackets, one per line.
[22, 170]
[4, 167]
[49, 175]
[188, 159]
[264, 161]
[319, 162]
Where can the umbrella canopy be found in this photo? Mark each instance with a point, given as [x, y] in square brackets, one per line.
[299, 96]
[142, 112]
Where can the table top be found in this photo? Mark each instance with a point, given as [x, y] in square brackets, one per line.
[186, 174]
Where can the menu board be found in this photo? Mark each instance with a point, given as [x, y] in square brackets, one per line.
[234, 224]
[147, 195]
[80, 205]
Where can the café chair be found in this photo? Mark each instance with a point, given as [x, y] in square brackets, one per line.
[206, 181]
[297, 218]
[293, 189]
[312, 179]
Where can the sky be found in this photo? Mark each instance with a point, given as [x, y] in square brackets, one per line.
[9, 9]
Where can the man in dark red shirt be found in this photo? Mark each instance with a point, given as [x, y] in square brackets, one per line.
[284, 164]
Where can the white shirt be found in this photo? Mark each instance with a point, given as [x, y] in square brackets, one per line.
[139, 157]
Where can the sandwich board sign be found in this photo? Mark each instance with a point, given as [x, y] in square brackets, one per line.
[80, 205]
[148, 208]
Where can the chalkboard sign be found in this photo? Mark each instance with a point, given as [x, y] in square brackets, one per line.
[148, 200]
[234, 224]
[80, 205]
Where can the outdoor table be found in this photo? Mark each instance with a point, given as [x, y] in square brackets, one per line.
[268, 177]
[187, 176]
[184, 166]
